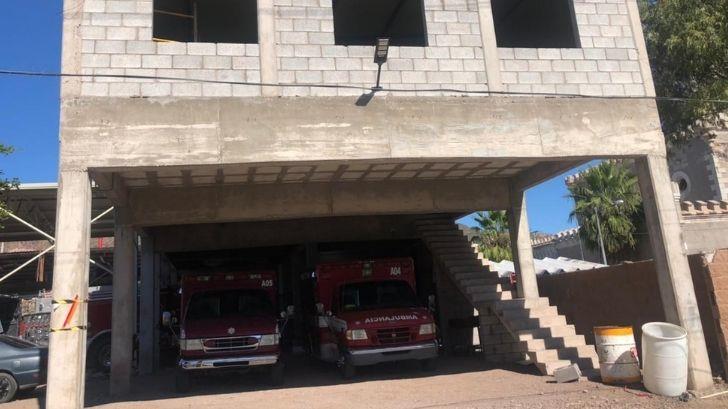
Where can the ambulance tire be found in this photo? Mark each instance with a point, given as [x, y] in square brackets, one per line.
[277, 372]
[348, 370]
[182, 382]
[428, 365]
[99, 354]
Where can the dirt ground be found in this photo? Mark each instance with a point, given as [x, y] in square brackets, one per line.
[460, 382]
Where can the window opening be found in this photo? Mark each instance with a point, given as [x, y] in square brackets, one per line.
[361, 22]
[535, 24]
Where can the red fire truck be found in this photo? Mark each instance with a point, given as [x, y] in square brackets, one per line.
[368, 312]
[228, 320]
[33, 324]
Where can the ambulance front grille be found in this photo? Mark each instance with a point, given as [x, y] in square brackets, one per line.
[391, 336]
[230, 344]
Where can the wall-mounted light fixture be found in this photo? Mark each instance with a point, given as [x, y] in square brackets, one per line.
[381, 50]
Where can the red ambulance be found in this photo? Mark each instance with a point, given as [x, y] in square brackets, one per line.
[368, 313]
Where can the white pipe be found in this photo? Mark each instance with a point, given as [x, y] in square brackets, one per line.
[104, 213]
[48, 236]
[101, 266]
[36, 257]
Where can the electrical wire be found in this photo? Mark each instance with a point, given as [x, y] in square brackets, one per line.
[353, 87]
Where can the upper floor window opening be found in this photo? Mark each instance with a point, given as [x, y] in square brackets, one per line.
[535, 24]
[361, 22]
[206, 21]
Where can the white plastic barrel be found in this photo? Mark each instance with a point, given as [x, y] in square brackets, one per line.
[665, 358]
[618, 363]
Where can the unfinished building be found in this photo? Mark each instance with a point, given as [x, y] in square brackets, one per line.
[221, 126]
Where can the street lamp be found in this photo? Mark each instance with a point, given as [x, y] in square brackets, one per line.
[380, 57]
[617, 202]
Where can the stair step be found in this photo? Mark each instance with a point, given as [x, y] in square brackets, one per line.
[546, 332]
[534, 323]
[480, 280]
[457, 256]
[473, 289]
[548, 368]
[530, 313]
[481, 297]
[572, 353]
[552, 343]
[521, 303]
[472, 263]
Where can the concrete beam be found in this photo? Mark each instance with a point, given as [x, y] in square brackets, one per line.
[123, 309]
[113, 187]
[543, 172]
[201, 237]
[521, 245]
[213, 131]
[67, 349]
[673, 271]
[230, 203]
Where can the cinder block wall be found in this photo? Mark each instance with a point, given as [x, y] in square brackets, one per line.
[117, 39]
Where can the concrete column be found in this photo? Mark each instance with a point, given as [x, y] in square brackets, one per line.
[267, 44]
[67, 359]
[639, 42]
[490, 46]
[123, 310]
[148, 317]
[673, 271]
[521, 245]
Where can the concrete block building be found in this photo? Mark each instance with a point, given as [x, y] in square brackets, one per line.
[242, 124]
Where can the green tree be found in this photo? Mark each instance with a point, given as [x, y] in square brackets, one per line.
[493, 237]
[609, 190]
[5, 184]
[687, 43]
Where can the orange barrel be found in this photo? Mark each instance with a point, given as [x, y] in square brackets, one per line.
[618, 362]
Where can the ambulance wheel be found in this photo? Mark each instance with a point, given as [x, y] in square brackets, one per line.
[276, 374]
[348, 370]
[182, 381]
[99, 354]
[428, 365]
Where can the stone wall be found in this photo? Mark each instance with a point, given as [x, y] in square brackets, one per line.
[628, 294]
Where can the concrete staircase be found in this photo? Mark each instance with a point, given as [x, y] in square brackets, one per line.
[539, 332]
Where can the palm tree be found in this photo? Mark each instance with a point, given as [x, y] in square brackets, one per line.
[493, 238]
[607, 193]
[5, 184]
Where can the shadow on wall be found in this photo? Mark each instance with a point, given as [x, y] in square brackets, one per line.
[628, 294]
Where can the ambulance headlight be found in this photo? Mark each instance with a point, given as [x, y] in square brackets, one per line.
[427, 329]
[269, 339]
[356, 334]
[190, 344]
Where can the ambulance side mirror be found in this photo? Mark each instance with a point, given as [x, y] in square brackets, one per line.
[431, 302]
[320, 308]
[166, 318]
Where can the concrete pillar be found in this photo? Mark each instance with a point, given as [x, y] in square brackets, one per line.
[490, 46]
[521, 245]
[267, 44]
[148, 317]
[67, 359]
[123, 310]
[673, 271]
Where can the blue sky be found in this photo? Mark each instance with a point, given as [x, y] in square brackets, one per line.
[31, 36]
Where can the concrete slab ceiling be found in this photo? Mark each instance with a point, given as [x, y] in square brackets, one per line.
[302, 172]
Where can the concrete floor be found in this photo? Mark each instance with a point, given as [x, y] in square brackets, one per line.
[457, 383]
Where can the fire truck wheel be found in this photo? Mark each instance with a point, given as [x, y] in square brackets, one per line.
[182, 382]
[276, 374]
[8, 387]
[99, 354]
[428, 364]
[348, 370]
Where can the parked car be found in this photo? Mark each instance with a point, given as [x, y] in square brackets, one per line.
[22, 366]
